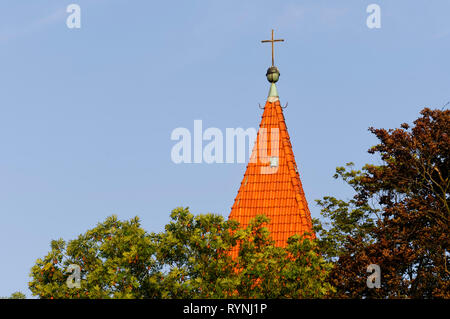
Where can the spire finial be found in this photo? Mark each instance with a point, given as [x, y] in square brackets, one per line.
[273, 41]
[272, 73]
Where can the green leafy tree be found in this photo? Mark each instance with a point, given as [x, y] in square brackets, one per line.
[189, 259]
[194, 252]
[267, 271]
[345, 219]
[15, 295]
[115, 259]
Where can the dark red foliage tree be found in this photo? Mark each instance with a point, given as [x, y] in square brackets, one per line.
[410, 238]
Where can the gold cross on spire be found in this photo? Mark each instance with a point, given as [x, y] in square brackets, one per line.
[273, 41]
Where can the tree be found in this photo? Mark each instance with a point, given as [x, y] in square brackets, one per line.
[15, 295]
[399, 216]
[345, 219]
[115, 259]
[190, 259]
[267, 271]
[193, 250]
[196, 250]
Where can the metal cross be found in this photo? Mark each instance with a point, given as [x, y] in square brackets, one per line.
[273, 41]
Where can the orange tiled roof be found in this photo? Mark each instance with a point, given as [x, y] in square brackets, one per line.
[275, 191]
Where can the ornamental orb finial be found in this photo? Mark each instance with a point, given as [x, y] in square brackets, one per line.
[273, 74]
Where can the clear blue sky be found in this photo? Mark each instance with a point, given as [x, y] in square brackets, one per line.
[86, 115]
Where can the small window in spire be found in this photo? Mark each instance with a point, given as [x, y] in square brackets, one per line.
[274, 161]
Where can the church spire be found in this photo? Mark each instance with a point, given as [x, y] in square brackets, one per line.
[271, 183]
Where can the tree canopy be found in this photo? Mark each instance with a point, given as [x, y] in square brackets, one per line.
[190, 259]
